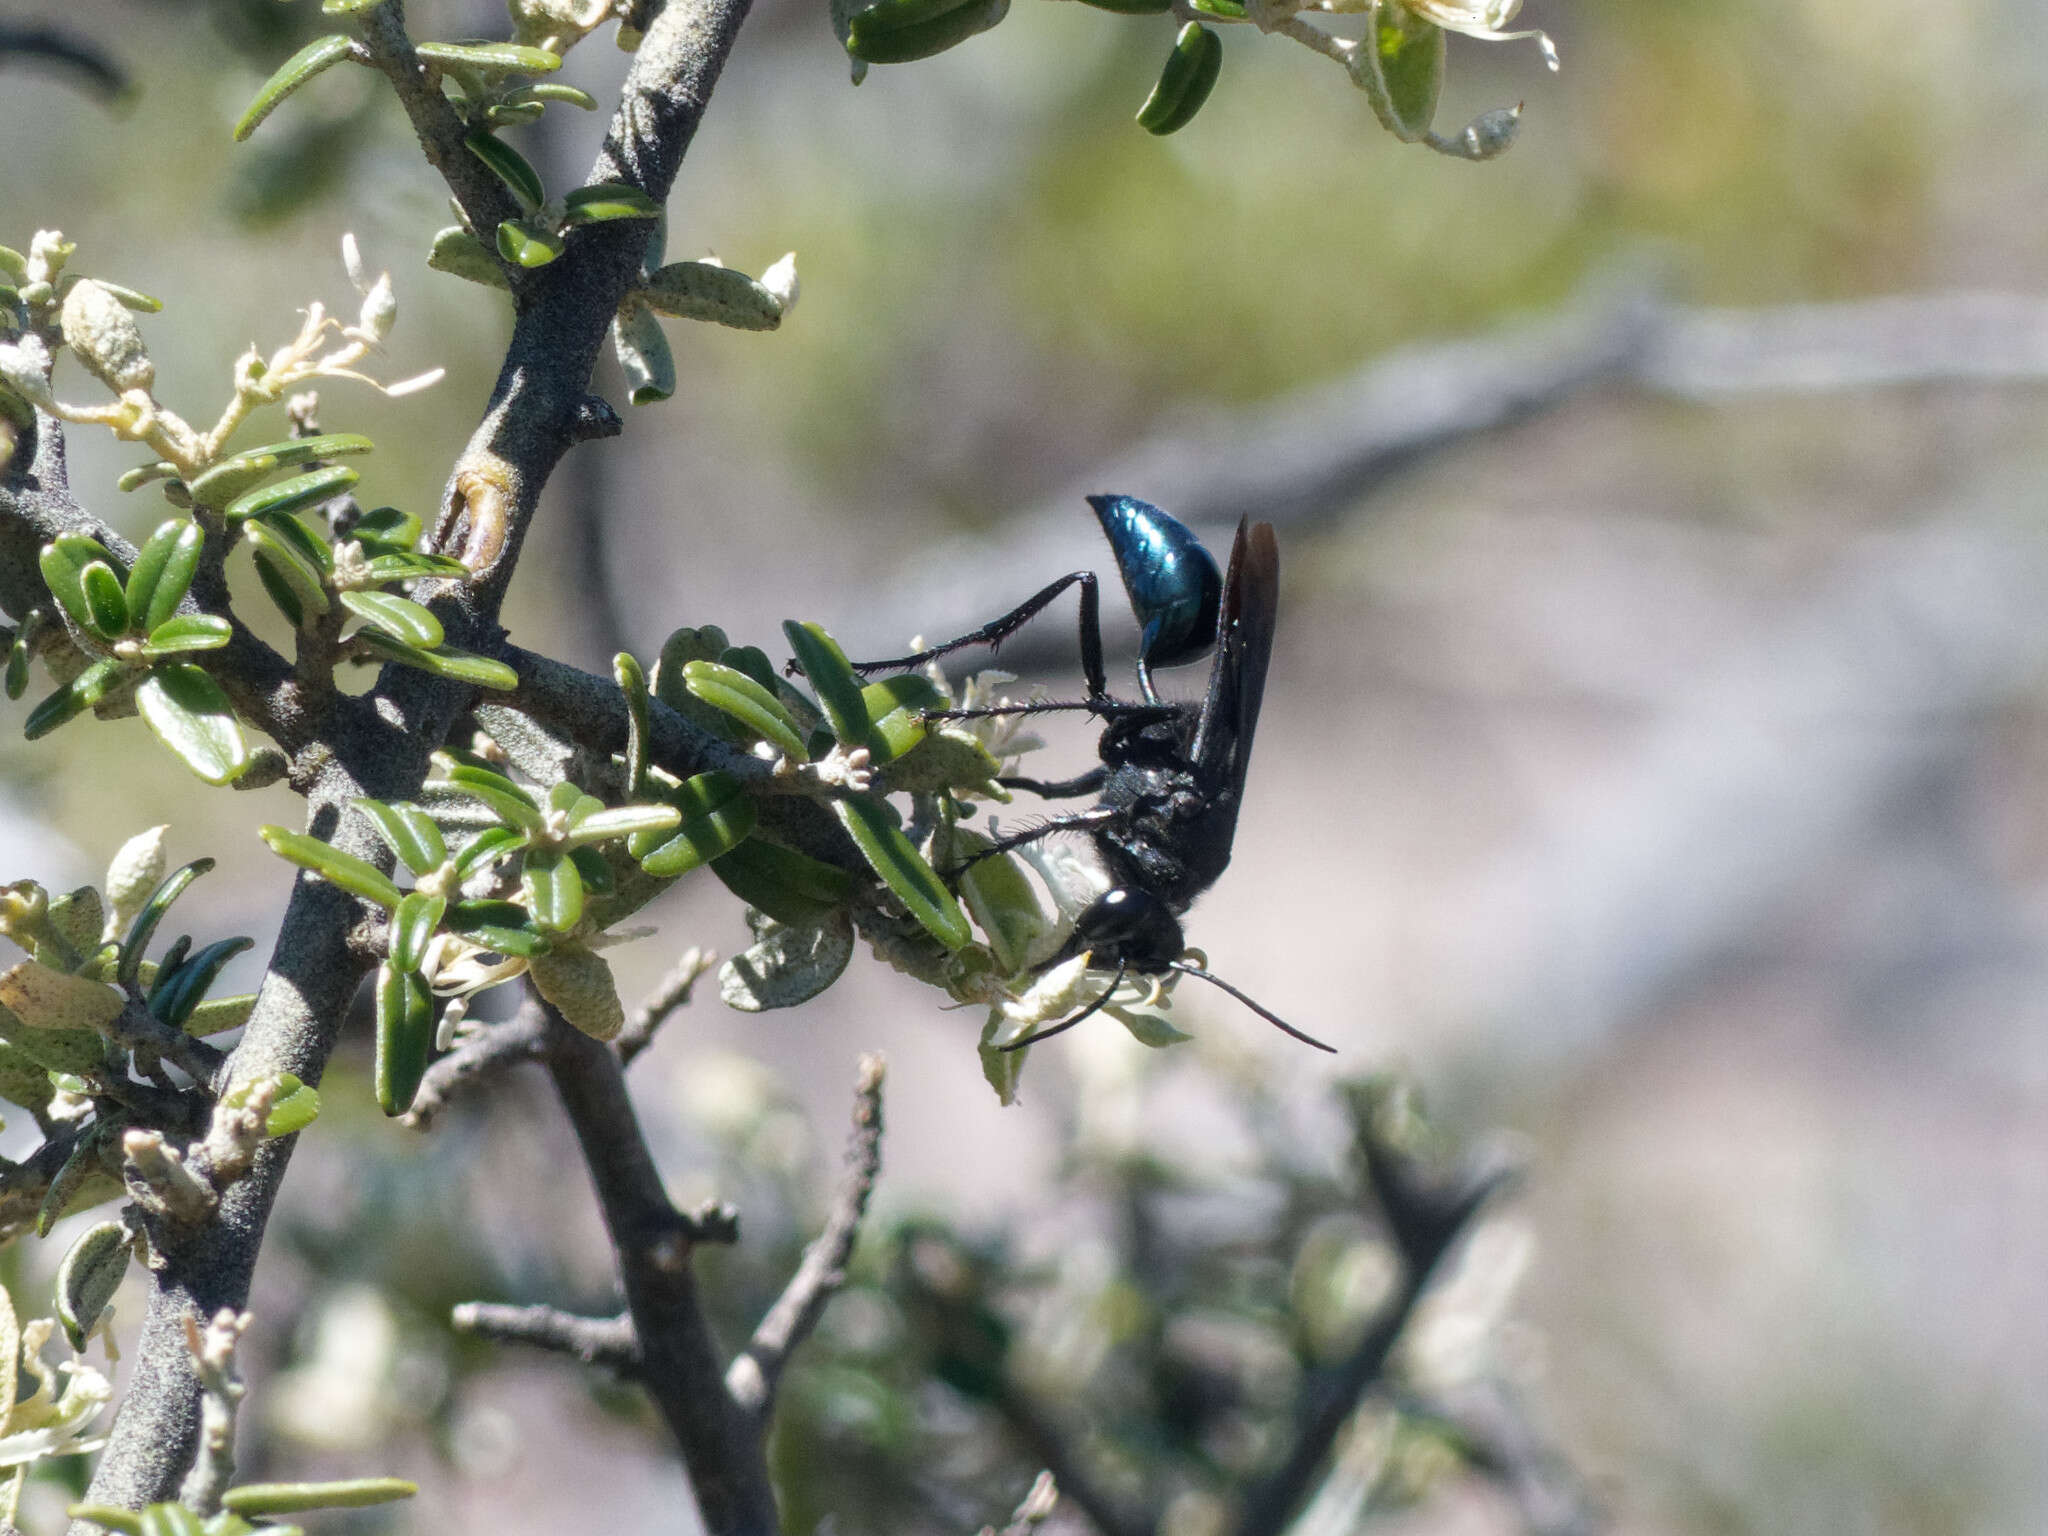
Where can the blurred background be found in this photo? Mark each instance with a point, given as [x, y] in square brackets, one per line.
[1652, 762]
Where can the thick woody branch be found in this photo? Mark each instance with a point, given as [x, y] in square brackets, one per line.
[754, 1375]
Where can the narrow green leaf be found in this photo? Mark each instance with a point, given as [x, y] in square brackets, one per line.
[838, 689]
[552, 91]
[715, 818]
[643, 353]
[790, 887]
[356, 876]
[491, 58]
[220, 1013]
[529, 242]
[105, 599]
[112, 1516]
[17, 664]
[598, 879]
[1186, 81]
[510, 114]
[386, 530]
[510, 167]
[471, 777]
[622, 821]
[241, 472]
[307, 490]
[320, 54]
[146, 474]
[896, 32]
[187, 986]
[456, 666]
[1004, 902]
[398, 617]
[299, 534]
[142, 929]
[408, 832]
[148, 568]
[632, 681]
[412, 928]
[554, 890]
[282, 594]
[460, 254]
[607, 200]
[63, 561]
[405, 1037]
[188, 632]
[874, 830]
[488, 846]
[190, 714]
[497, 925]
[73, 698]
[289, 564]
[290, 1498]
[745, 700]
[415, 567]
[175, 579]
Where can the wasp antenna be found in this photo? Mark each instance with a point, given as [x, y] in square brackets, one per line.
[1263, 1012]
[1066, 1024]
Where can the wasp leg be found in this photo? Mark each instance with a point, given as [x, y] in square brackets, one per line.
[1077, 821]
[1066, 1024]
[1061, 789]
[993, 634]
[1103, 708]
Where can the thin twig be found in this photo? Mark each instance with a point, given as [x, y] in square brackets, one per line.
[753, 1377]
[220, 1388]
[1047, 1443]
[669, 994]
[602, 1341]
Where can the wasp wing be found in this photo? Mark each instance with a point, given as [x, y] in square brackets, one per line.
[1222, 747]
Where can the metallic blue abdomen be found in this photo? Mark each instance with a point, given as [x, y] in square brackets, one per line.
[1173, 582]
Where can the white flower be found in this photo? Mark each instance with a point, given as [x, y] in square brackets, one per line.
[1481, 18]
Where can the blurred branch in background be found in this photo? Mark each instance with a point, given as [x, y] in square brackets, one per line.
[1310, 457]
[57, 52]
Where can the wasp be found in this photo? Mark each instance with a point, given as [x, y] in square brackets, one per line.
[1171, 777]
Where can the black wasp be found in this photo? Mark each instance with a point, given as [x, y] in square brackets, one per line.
[1172, 773]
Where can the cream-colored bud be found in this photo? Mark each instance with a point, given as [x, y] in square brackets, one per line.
[98, 327]
[132, 877]
[580, 985]
[47, 253]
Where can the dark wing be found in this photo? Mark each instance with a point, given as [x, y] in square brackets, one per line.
[1222, 747]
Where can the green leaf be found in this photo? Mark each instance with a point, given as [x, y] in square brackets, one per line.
[715, 818]
[507, 114]
[790, 887]
[63, 561]
[17, 664]
[622, 821]
[838, 689]
[552, 91]
[294, 530]
[241, 472]
[455, 666]
[632, 681]
[290, 1498]
[416, 567]
[112, 1516]
[1133, 7]
[105, 599]
[899, 31]
[1186, 81]
[356, 876]
[1005, 904]
[146, 474]
[307, 490]
[408, 832]
[281, 592]
[190, 714]
[146, 574]
[786, 965]
[320, 54]
[74, 697]
[92, 1271]
[295, 1107]
[188, 632]
[497, 925]
[643, 353]
[460, 254]
[179, 991]
[491, 59]
[554, 890]
[529, 242]
[220, 1013]
[173, 580]
[1402, 71]
[704, 290]
[510, 167]
[412, 928]
[607, 200]
[387, 531]
[488, 846]
[398, 617]
[745, 700]
[143, 928]
[872, 825]
[507, 800]
[405, 1037]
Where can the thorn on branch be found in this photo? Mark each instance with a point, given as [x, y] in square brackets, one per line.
[605, 1341]
[753, 1375]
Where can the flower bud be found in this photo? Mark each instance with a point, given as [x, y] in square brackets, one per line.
[133, 876]
[98, 327]
[579, 984]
